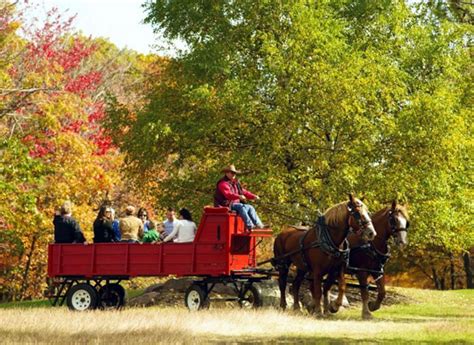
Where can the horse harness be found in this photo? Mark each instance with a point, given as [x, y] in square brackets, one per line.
[379, 257]
[325, 242]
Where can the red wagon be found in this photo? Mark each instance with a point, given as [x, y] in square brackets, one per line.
[89, 276]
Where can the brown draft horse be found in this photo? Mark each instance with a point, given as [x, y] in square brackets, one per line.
[368, 259]
[318, 250]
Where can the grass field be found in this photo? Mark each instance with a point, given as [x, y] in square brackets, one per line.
[432, 317]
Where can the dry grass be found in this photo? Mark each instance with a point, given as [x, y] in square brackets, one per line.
[177, 325]
[430, 317]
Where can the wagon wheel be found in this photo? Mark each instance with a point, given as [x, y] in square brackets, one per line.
[196, 298]
[251, 298]
[82, 297]
[111, 296]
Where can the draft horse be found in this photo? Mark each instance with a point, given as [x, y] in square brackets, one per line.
[320, 250]
[368, 259]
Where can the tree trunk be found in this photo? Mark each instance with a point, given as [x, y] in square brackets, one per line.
[452, 271]
[436, 279]
[468, 269]
[24, 284]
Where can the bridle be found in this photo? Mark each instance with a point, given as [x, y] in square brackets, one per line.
[355, 213]
[393, 223]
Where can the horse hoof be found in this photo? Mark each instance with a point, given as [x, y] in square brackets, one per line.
[367, 316]
[333, 307]
[373, 306]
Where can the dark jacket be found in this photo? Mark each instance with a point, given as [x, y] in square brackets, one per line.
[228, 192]
[103, 231]
[67, 230]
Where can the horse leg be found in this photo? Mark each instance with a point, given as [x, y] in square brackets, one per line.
[316, 291]
[282, 280]
[326, 287]
[364, 293]
[296, 288]
[375, 305]
[341, 284]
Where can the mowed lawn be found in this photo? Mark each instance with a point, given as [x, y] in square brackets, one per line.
[431, 317]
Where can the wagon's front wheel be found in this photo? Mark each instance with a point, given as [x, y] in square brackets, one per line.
[196, 298]
[251, 298]
[82, 297]
[111, 296]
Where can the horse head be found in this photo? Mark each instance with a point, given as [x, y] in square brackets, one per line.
[399, 223]
[359, 218]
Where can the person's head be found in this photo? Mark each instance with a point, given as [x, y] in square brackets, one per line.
[130, 210]
[171, 214]
[230, 171]
[185, 214]
[112, 213]
[142, 214]
[66, 208]
[105, 212]
[151, 225]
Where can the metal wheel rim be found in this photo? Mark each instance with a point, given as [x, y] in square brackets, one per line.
[248, 300]
[113, 299]
[193, 300]
[81, 300]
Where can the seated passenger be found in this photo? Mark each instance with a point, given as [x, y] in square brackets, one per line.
[185, 228]
[143, 216]
[103, 228]
[229, 193]
[152, 235]
[130, 226]
[170, 221]
[115, 226]
[66, 228]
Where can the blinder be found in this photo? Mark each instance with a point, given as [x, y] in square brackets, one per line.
[393, 223]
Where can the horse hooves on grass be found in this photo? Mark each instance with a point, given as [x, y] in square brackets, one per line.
[333, 307]
[373, 306]
[367, 316]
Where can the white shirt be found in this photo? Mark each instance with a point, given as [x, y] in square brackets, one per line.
[184, 231]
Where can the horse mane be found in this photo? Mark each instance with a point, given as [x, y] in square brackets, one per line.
[387, 209]
[336, 214]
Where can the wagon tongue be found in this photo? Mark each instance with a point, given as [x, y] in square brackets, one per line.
[265, 232]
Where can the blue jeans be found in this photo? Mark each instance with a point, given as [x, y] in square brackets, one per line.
[248, 214]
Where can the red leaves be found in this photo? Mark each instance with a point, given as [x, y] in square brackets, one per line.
[84, 83]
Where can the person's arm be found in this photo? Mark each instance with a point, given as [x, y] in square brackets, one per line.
[140, 231]
[249, 195]
[227, 192]
[78, 235]
[173, 233]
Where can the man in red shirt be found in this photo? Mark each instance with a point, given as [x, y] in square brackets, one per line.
[229, 193]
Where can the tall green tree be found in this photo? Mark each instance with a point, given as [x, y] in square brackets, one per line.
[313, 99]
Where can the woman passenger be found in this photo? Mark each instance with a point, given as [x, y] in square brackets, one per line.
[184, 230]
[103, 230]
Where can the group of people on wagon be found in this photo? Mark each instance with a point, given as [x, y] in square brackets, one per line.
[131, 228]
[139, 228]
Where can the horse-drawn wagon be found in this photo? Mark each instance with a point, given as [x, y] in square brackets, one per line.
[223, 252]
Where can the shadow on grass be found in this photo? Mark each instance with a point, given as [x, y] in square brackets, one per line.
[161, 336]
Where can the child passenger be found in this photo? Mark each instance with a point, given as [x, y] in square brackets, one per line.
[152, 235]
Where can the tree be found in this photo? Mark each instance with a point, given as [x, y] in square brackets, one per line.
[314, 99]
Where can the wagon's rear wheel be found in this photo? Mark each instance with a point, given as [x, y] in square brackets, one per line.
[251, 298]
[82, 297]
[111, 296]
[196, 298]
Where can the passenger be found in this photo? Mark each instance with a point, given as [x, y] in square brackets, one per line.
[116, 226]
[229, 193]
[170, 221]
[130, 226]
[152, 235]
[184, 230]
[66, 228]
[143, 216]
[103, 228]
